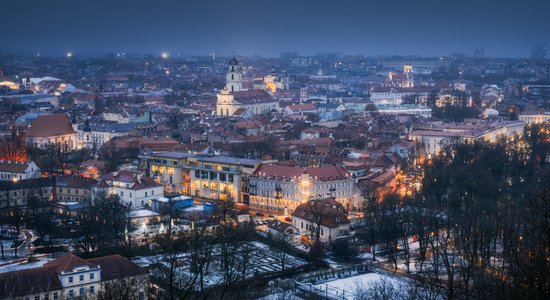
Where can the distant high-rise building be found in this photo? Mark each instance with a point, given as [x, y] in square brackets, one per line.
[479, 53]
[538, 52]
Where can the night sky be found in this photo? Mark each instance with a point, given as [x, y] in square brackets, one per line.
[503, 28]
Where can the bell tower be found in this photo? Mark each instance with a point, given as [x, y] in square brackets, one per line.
[233, 79]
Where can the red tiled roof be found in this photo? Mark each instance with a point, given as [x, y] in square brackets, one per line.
[50, 125]
[67, 263]
[28, 281]
[252, 97]
[303, 107]
[321, 173]
[116, 267]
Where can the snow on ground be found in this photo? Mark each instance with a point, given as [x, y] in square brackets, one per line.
[24, 265]
[350, 284]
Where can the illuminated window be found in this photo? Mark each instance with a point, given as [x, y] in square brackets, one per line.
[213, 185]
[154, 168]
[162, 169]
[171, 170]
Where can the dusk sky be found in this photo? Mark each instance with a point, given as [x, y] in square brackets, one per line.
[424, 27]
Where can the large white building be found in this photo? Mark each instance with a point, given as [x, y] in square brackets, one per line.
[535, 117]
[233, 100]
[385, 97]
[434, 139]
[281, 189]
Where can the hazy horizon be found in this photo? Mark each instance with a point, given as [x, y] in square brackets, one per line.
[370, 28]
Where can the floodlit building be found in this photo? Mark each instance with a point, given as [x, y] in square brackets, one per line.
[434, 139]
[535, 117]
[52, 130]
[206, 176]
[281, 189]
[234, 101]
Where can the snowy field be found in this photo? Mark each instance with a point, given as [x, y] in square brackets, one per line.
[262, 260]
[346, 288]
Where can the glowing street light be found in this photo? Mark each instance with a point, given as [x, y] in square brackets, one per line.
[69, 54]
[164, 55]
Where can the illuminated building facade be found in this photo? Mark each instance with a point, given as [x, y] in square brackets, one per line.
[210, 177]
[535, 117]
[281, 189]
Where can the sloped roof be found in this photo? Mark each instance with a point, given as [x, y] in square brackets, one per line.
[302, 107]
[252, 97]
[68, 263]
[116, 267]
[50, 125]
[321, 173]
[13, 166]
[329, 211]
[28, 281]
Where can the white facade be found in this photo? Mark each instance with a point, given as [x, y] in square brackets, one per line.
[13, 170]
[385, 98]
[435, 139]
[327, 234]
[535, 117]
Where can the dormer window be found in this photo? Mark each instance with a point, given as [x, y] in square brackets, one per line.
[71, 279]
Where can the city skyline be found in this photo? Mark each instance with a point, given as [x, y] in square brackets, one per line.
[426, 28]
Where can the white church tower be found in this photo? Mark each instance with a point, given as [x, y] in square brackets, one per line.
[233, 79]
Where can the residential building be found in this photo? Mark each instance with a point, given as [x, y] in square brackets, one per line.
[71, 188]
[95, 135]
[17, 193]
[14, 170]
[70, 277]
[301, 109]
[327, 214]
[220, 177]
[134, 189]
[405, 149]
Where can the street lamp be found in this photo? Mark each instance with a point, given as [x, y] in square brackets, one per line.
[164, 55]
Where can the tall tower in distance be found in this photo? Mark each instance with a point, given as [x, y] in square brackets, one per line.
[233, 79]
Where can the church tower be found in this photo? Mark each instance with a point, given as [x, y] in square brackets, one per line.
[233, 79]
